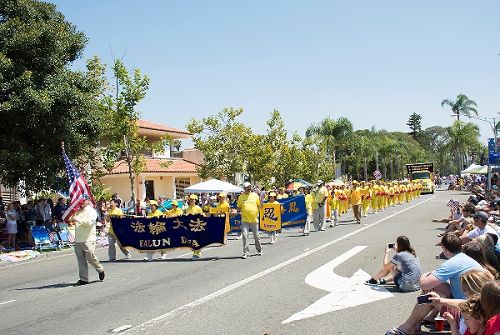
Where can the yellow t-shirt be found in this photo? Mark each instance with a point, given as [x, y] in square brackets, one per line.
[156, 214]
[114, 213]
[309, 203]
[356, 197]
[174, 212]
[249, 206]
[193, 210]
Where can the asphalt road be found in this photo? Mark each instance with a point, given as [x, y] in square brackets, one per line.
[223, 294]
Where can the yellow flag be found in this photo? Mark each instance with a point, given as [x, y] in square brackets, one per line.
[270, 217]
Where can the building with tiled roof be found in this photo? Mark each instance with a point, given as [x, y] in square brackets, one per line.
[166, 173]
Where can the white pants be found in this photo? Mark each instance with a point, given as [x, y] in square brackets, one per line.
[319, 218]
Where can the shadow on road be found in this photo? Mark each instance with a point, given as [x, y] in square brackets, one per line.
[58, 285]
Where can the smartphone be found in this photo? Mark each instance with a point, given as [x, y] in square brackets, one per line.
[424, 299]
[391, 245]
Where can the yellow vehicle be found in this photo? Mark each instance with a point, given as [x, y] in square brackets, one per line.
[423, 173]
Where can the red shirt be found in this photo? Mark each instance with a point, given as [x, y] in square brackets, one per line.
[493, 325]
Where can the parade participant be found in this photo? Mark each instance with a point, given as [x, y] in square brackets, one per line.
[114, 211]
[365, 198]
[193, 209]
[356, 201]
[308, 200]
[175, 210]
[85, 240]
[342, 200]
[319, 206]
[223, 207]
[334, 205]
[281, 194]
[248, 204]
[271, 199]
[155, 213]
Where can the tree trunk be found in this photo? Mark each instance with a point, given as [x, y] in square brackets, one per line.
[376, 161]
[365, 169]
[128, 158]
[334, 164]
[391, 169]
[384, 169]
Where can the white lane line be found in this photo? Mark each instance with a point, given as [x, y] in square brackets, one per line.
[122, 328]
[151, 323]
[6, 302]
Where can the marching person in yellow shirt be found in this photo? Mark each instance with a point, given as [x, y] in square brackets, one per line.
[115, 211]
[249, 204]
[193, 209]
[155, 213]
[356, 201]
[309, 200]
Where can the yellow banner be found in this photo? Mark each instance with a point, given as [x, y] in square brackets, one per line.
[270, 217]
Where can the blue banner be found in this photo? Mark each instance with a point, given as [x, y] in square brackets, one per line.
[187, 231]
[493, 155]
[294, 214]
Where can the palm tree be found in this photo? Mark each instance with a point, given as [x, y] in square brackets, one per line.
[462, 106]
[334, 134]
[463, 137]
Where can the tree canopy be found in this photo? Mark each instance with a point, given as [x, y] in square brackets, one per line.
[42, 101]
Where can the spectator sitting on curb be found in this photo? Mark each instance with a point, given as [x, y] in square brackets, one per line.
[437, 280]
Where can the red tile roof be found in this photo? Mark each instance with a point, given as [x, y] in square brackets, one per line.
[156, 126]
[155, 165]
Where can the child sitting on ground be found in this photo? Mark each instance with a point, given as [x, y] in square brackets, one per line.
[473, 315]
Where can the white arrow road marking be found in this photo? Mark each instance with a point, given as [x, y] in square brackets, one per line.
[344, 292]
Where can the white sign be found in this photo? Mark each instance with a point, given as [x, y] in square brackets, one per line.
[344, 292]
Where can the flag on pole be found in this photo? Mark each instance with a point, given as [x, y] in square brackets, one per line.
[377, 174]
[79, 189]
[453, 204]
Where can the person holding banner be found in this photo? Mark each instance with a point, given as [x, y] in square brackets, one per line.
[272, 200]
[319, 206]
[222, 207]
[194, 209]
[309, 201]
[249, 203]
[85, 240]
[154, 213]
[114, 211]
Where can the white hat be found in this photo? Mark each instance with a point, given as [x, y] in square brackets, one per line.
[246, 184]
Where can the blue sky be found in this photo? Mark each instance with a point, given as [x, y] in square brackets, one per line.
[374, 61]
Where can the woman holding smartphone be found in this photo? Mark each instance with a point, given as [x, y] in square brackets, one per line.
[402, 270]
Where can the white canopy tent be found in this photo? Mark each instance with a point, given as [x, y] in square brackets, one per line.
[213, 186]
[475, 169]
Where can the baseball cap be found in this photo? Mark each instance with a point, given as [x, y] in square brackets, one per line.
[246, 184]
[175, 203]
[483, 216]
[222, 194]
[193, 196]
[153, 202]
[272, 194]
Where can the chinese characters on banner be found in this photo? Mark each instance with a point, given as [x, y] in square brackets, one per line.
[190, 231]
[270, 217]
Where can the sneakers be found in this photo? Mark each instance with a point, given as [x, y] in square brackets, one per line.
[371, 282]
[101, 276]
[322, 229]
[259, 253]
[128, 256]
[245, 256]
[331, 225]
[195, 258]
[112, 260]
[148, 258]
[81, 282]
[239, 237]
[164, 256]
[273, 241]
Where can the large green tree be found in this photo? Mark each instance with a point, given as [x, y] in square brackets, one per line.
[415, 124]
[463, 139]
[461, 106]
[42, 101]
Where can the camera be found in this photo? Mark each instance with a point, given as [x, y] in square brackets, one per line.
[391, 245]
[424, 299]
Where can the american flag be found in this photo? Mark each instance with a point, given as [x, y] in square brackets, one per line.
[78, 188]
[453, 204]
[377, 174]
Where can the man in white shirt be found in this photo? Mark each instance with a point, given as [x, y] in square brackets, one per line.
[85, 240]
[481, 227]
